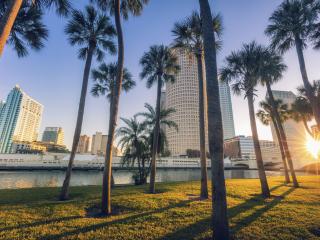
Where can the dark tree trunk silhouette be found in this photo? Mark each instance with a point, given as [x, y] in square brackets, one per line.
[203, 157]
[282, 135]
[106, 183]
[155, 139]
[215, 132]
[283, 156]
[262, 174]
[7, 21]
[66, 183]
[309, 92]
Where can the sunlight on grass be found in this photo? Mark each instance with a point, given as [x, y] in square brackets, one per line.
[174, 213]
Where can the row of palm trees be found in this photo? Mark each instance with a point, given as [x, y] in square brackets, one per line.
[295, 23]
[93, 33]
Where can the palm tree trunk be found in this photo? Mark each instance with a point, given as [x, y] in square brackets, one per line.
[106, 185]
[215, 132]
[282, 135]
[203, 157]
[305, 124]
[262, 174]
[155, 139]
[7, 21]
[309, 92]
[65, 187]
[283, 156]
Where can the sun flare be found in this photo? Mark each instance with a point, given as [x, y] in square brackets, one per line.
[313, 146]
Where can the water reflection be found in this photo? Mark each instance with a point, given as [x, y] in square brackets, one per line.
[29, 179]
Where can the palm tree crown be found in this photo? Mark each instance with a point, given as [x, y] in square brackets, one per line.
[265, 114]
[159, 62]
[27, 30]
[188, 33]
[150, 117]
[91, 29]
[243, 69]
[127, 7]
[293, 19]
[132, 134]
[105, 77]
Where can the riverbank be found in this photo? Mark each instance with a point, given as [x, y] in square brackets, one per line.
[174, 213]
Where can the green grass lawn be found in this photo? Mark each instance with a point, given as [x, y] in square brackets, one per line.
[174, 213]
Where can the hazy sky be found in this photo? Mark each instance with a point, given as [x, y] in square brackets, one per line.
[53, 76]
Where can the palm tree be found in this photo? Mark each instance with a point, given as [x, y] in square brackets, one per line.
[243, 72]
[27, 30]
[11, 12]
[134, 142]
[159, 65]
[188, 36]
[266, 117]
[105, 77]
[301, 111]
[116, 8]
[292, 24]
[215, 131]
[94, 33]
[272, 68]
[150, 122]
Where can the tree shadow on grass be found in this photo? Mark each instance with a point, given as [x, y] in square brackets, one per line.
[39, 223]
[124, 220]
[193, 230]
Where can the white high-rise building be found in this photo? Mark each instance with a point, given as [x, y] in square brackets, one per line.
[20, 119]
[183, 96]
[295, 132]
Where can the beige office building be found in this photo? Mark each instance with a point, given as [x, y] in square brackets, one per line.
[99, 143]
[83, 145]
[183, 96]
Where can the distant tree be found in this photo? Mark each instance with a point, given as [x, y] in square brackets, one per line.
[150, 122]
[104, 80]
[116, 8]
[188, 36]
[220, 225]
[293, 24]
[94, 33]
[159, 65]
[11, 9]
[266, 117]
[134, 143]
[242, 71]
[272, 69]
[27, 31]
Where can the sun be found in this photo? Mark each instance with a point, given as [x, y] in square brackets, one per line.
[313, 146]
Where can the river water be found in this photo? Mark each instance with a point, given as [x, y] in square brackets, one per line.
[30, 179]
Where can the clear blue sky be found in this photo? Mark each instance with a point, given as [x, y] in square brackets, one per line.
[53, 76]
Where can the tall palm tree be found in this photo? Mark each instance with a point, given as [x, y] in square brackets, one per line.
[12, 8]
[94, 33]
[301, 111]
[291, 25]
[266, 117]
[116, 8]
[159, 65]
[215, 131]
[243, 72]
[133, 141]
[272, 70]
[150, 123]
[27, 30]
[188, 36]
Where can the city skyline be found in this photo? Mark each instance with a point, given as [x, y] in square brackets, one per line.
[48, 70]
